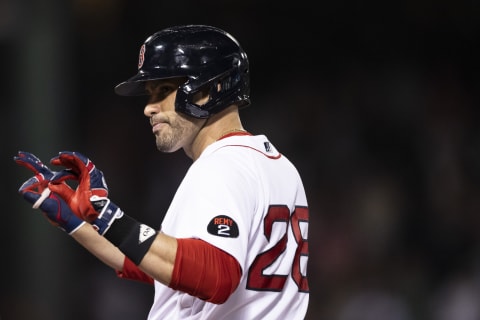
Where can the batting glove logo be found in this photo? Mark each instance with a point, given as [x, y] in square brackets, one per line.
[145, 233]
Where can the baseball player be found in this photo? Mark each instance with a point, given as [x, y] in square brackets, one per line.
[234, 241]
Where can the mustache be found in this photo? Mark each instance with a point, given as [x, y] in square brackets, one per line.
[157, 119]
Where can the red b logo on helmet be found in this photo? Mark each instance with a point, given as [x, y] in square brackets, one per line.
[141, 56]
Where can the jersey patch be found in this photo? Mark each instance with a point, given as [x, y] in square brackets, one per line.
[223, 226]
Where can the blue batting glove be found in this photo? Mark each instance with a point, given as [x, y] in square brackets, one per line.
[35, 190]
[53, 207]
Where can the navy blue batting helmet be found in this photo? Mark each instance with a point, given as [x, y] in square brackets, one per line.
[207, 56]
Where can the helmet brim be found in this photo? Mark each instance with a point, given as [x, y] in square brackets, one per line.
[135, 86]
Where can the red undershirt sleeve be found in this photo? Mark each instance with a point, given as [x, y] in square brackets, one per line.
[132, 272]
[204, 271]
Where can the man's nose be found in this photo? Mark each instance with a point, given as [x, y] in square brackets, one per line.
[150, 109]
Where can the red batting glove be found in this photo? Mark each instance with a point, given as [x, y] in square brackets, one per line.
[91, 183]
[35, 190]
[43, 175]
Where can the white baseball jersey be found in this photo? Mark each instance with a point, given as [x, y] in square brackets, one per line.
[242, 196]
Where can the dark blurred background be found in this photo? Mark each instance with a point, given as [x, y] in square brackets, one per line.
[375, 102]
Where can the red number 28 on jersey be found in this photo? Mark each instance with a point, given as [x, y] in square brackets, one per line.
[274, 282]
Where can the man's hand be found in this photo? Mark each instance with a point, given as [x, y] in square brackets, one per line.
[43, 175]
[53, 206]
[90, 198]
[91, 184]
[131, 237]
[35, 190]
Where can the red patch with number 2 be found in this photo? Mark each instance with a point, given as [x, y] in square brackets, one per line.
[223, 226]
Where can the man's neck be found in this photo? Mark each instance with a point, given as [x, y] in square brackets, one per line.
[217, 126]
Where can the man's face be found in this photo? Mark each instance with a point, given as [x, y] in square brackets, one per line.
[172, 130]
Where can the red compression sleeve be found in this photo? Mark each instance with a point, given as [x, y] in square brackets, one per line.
[204, 271]
[132, 272]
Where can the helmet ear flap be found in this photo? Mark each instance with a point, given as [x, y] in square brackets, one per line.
[184, 101]
[223, 89]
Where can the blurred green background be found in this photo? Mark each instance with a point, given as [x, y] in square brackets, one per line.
[377, 104]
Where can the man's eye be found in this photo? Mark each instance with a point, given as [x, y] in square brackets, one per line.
[161, 92]
[165, 90]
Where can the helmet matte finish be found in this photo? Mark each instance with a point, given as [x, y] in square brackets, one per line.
[210, 59]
